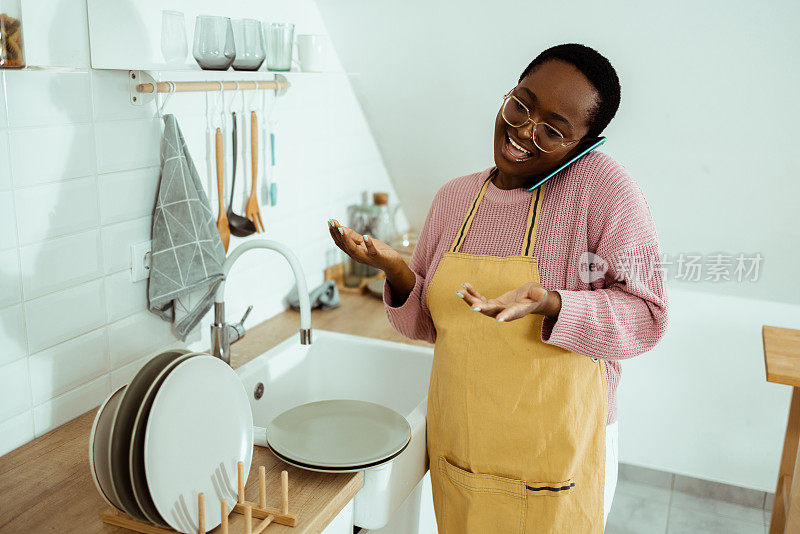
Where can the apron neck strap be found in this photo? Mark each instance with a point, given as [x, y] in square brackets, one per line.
[531, 225]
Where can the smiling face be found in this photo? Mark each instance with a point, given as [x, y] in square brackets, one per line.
[557, 93]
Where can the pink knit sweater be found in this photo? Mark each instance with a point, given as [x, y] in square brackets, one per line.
[594, 205]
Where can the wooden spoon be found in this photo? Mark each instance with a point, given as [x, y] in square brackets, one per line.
[222, 219]
[251, 210]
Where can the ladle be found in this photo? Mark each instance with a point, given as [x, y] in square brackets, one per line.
[240, 226]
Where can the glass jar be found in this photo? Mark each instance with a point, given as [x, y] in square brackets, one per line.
[384, 227]
[12, 55]
[361, 218]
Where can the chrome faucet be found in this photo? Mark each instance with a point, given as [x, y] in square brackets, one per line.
[223, 334]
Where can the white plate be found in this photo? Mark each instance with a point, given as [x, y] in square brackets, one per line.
[136, 454]
[200, 426]
[338, 434]
[122, 430]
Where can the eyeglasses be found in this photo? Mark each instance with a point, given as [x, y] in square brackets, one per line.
[547, 138]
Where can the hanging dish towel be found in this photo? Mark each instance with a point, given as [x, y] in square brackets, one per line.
[187, 253]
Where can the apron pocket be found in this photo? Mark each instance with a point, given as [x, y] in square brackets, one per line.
[478, 503]
[553, 507]
[552, 489]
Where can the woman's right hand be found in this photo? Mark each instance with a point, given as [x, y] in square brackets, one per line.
[376, 253]
[365, 249]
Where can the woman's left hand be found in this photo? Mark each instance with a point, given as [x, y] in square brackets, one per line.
[519, 302]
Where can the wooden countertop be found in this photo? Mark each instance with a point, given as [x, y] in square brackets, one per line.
[45, 485]
[781, 355]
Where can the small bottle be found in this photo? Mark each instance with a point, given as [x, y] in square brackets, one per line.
[384, 225]
[12, 55]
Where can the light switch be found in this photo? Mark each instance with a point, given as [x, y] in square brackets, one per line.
[140, 261]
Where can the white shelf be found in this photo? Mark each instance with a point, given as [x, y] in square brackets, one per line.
[187, 73]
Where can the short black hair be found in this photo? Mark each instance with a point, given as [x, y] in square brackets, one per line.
[597, 69]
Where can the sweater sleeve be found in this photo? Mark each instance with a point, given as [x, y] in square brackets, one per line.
[624, 314]
[412, 317]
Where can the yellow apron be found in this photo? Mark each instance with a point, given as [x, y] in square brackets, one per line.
[516, 427]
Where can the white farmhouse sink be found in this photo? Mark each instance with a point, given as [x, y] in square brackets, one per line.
[341, 366]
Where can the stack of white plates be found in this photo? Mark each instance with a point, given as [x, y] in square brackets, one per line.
[178, 429]
[338, 435]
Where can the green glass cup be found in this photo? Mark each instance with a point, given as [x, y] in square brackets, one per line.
[280, 45]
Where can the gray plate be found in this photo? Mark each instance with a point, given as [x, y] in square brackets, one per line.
[351, 469]
[136, 454]
[122, 428]
[99, 449]
[338, 434]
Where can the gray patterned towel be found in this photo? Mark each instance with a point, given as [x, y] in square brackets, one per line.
[187, 253]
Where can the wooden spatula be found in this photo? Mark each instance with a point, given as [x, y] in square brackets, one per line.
[251, 210]
[222, 219]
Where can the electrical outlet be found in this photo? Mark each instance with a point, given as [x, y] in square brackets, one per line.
[140, 260]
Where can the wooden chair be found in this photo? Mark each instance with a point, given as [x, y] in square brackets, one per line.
[782, 363]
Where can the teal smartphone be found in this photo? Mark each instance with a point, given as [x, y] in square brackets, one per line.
[591, 146]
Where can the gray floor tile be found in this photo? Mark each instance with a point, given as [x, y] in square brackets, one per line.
[645, 475]
[719, 491]
[687, 521]
[767, 518]
[721, 508]
[636, 489]
[631, 514]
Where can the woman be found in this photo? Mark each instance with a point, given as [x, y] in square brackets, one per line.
[531, 301]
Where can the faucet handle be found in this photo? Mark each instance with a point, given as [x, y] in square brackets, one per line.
[237, 331]
[246, 313]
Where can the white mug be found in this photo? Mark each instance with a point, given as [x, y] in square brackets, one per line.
[312, 52]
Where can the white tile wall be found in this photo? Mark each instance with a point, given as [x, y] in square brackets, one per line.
[127, 195]
[56, 209]
[5, 168]
[15, 385]
[56, 264]
[46, 98]
[136, 335]
[9, 277]
[16, 431]
[117, 241]
[79, 172]
[65, 314]
[8, 238]
[68, 365]
[12, 334]
[42, 155]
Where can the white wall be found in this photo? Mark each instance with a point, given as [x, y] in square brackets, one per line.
[698, 404]
[707, 126]
[707, 123]
[78, 178]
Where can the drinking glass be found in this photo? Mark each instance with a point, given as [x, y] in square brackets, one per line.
[214, 47]
[311, 51]
[173, 37]
[280, 41]
[249, 41]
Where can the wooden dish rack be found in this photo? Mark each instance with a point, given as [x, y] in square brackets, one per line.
[248, 509]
